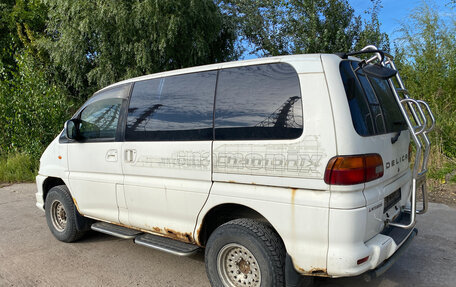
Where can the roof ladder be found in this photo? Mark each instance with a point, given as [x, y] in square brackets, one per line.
[420, 122]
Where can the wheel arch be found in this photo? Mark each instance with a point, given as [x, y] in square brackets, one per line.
[223, 213]
[49, 183]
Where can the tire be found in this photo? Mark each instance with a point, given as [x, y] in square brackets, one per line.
[61, 214]
[254, 248]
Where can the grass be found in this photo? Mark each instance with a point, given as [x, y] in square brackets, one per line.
[17, 167]
[441, 167]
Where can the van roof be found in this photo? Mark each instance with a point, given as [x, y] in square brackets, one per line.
[312, 64]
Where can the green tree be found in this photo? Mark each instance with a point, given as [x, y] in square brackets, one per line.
[277, 27]
[371, 34]
[260, 24]
[427, 55]
[96, 43]
[21, 22]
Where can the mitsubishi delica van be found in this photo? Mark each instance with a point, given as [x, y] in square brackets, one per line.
[280, 168]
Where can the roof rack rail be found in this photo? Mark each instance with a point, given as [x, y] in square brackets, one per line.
[371, 49]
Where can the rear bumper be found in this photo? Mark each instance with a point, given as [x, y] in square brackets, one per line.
[383, 267]
[348, 252]
[294, 278]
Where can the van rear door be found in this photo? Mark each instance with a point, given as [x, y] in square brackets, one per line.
[377, 118]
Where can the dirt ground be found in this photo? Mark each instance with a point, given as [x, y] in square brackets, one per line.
[442, 193]
[31, 256]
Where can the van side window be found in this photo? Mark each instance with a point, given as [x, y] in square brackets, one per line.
[175, 108]
[99, 119]
[260, 102]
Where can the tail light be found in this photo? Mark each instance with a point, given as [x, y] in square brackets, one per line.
[362, 260]
[347, 170]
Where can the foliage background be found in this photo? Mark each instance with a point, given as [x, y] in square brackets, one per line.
[55, 53]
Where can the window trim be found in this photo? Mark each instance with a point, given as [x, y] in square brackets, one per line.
[121, 128]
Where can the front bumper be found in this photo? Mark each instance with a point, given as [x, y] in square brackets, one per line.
[39, 194]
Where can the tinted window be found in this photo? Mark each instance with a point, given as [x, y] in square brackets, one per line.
[359, 108]
[258, 102]
[172, 108]
[99, 119]
[394, 120]
[372, 105]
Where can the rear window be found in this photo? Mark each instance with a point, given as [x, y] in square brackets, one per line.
[373, 107]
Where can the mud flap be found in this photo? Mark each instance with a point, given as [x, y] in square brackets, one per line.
[292, 277]
[82, 223]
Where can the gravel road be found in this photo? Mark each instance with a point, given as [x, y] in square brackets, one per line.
[31, 256]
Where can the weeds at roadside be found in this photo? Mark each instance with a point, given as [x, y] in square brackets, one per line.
[17, 167]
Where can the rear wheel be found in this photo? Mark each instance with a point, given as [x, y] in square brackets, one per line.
[245, 252]
[61, 214]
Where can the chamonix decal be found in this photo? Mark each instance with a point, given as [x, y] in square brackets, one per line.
[302, 159]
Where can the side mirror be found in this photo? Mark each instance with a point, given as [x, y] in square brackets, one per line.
[72, 129]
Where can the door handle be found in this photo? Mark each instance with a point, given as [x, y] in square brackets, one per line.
[111, 155]
[130, 155]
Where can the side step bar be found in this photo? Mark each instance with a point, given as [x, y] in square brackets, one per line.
[166, 244]
[149, 240]
[115, 230]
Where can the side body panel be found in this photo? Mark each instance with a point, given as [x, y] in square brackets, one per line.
[95, 174]
[166, 184]
[283, 179]
[54, 163]
[298, 215]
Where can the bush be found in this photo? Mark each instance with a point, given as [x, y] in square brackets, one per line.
[33, 109]
[426, 56]
[18, 167]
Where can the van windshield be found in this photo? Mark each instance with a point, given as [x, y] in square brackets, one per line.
[373, 107]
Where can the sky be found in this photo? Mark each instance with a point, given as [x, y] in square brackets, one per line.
[394, 12]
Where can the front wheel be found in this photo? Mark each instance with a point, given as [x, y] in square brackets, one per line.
[61, 214]
[245, 252]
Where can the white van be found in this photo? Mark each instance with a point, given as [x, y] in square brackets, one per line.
[279, 167]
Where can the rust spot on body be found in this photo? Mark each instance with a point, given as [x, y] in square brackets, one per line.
[321, 272]
[198, 232]
[293, 195]
[185, 237]
[76, 204]
[166, 232]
